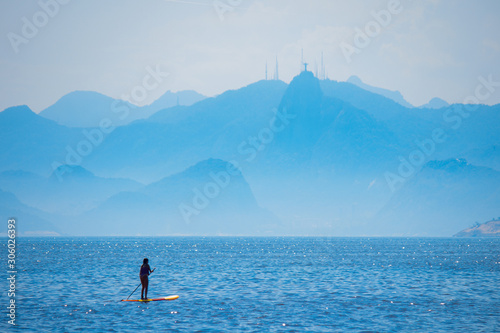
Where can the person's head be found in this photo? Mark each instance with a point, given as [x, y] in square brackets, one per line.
[145, 261]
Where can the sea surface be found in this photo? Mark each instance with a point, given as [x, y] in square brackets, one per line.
[246, 284]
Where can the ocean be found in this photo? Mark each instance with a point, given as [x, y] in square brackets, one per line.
[256, 284]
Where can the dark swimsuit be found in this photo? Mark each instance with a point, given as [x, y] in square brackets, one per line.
[144, 270]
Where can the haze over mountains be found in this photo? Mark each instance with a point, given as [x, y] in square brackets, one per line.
[315, 157]
[394, 95]
[88, 108]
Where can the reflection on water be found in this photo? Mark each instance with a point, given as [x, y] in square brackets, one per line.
[259, 284]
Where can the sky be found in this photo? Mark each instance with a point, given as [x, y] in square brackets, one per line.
[138, 50]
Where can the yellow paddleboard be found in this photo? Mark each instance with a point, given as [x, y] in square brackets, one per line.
[168, 298]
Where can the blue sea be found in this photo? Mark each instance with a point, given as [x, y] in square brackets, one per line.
[247, 284]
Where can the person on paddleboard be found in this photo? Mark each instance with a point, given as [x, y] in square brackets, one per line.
[144, 273]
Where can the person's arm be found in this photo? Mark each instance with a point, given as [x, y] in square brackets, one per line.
[151, 271]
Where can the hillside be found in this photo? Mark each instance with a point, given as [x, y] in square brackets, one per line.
[175, 138]
[70, 190]
[314, 155]
[32, 143]
[487, 229]
[443, 197]
[209, 198]
[394, 95]
[89, 109]
[29, 221]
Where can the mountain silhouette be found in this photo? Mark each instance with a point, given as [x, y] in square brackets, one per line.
[170, 99]
[204, 199]
[175, 138]
[30, 142]
[89, 109]
[314, 155]
[443, 197]
[70, 190]
[435, 103]
[394, 95]
[29, 221]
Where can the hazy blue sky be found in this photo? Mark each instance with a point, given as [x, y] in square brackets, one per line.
[428, 49]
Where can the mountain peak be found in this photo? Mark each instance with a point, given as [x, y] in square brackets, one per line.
[17, 111]
[305, 76]
[80, 93]
[170, 99]
[22, 115]
[436, 103]
[87, 109]
[211, 164]
[355, 80]
[71, 172]
[303, 94]
[394, 95]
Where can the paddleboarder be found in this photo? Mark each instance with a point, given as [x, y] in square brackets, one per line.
[144, 273]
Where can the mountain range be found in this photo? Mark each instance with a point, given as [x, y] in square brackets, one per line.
[88, 108]
[393, 95]
[314, 157]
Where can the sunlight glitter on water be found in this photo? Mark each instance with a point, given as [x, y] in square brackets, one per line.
[260, 284]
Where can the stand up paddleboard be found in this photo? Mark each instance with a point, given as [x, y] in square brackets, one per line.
[168, 298]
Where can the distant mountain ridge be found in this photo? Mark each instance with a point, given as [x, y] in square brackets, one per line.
[209, 198]
[394, 95]
[32, 143]
[30, 221]
[70, 190]
[85, 109]
[170, 99]
[312, 157]
[435, 103]
[88, 108]
[455, 191]
[175, 138]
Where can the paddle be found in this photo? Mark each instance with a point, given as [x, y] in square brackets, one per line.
[140, 284]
